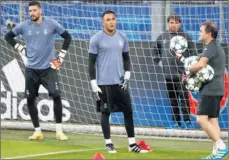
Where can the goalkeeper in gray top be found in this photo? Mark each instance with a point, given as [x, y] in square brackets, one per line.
[41, 66]
[173, 69]
[109, 70]
[211, 92]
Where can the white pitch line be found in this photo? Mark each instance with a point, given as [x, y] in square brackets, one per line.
[52, 153]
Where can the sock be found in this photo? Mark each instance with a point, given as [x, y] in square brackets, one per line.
[58, 127]
[33, 112]
[214, 149]
[108, 141]
[129, 123]
[132, 145]
[57, 108]
[220, 144]
[131, 140]
[105, 124]
[38, 129]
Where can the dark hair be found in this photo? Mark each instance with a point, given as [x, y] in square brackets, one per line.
[108, 12]
[174, 16]
[210, 27]
[35, 3]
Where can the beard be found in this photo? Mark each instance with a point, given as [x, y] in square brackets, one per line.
[35, 18]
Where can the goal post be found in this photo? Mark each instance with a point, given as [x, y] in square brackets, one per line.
[141, 22]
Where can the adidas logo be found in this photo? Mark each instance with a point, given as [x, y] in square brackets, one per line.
[13, 102]
[15, 78]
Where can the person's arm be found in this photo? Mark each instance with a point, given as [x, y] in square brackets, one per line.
[59, 29]
[157, 50]
[9, 37]
[203, 61]
[93, 52]
[91, 66]
[67, 40]
[191, 47]
[126, 63]
[207, 54]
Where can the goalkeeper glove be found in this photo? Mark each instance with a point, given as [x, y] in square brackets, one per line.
[10, 24]
[56, 63]
[95, 89]
[124, 85]
[186, 68]
[185, 78]
[21, 49]
[178, 56]
[160, 64]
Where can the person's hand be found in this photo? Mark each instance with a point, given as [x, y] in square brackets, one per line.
[180, 57]
[185, 78]
[125, 83]
[95, 90]
[10, 24]
[56, 63]
[21, 49]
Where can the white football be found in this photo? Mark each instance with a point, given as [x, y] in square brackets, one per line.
[190, 60]
[206, 74]
[178, 44]
[193, 84]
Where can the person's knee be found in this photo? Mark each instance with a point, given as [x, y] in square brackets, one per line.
[105, 114]
[173, 102]
[31, 97]
[105, 118]
[128, 114]
[31, 101]
[201, 119]
[214, 121]
[55, 96]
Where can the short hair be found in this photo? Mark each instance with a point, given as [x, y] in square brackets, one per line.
[210, 27]
[35, 3]
[174, 16]
[108, 12]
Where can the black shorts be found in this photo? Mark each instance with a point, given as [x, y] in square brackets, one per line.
[35, 77]
[209, 105]
[114, 99]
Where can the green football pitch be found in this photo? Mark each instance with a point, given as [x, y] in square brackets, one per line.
[15, 145]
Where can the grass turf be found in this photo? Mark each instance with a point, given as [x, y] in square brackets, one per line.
[15, 143]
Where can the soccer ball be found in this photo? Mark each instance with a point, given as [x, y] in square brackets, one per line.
[193, 84]
[190, 60]
[205, 74]
[178, 44]
[10, 24]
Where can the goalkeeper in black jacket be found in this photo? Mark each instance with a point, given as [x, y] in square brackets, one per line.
[173, 69]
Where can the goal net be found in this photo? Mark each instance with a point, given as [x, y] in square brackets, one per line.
[142, 22]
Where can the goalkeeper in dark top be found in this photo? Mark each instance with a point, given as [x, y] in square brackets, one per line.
[41, 65]
[173, 69]
[211, 92]
[109, 70]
